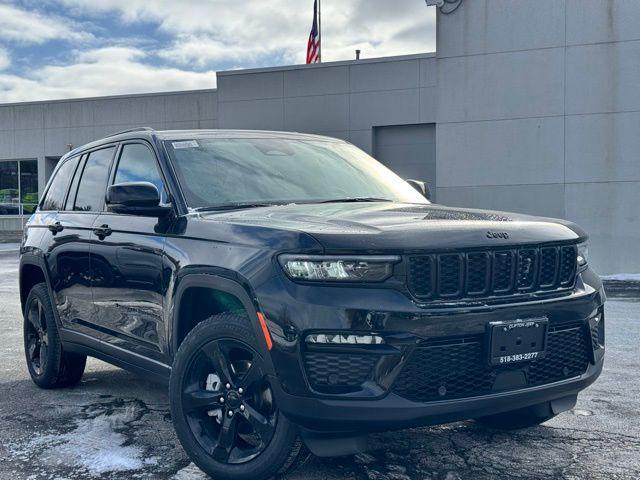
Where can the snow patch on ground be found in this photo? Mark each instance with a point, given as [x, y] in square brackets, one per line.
[623, 277]
[95, 446]
[190, 472]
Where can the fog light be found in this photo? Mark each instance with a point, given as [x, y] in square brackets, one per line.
[340, 339]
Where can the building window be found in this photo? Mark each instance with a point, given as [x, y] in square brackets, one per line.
[18, 187]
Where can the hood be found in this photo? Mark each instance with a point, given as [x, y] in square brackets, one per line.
[378, 227]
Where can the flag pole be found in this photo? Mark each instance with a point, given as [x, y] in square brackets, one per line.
[320, 30]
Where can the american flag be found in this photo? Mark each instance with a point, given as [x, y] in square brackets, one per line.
[313, 48]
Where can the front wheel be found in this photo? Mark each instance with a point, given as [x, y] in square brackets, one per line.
[222, 404]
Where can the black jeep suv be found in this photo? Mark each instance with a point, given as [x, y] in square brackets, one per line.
[295, 294]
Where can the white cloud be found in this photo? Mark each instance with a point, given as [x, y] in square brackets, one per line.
[105, 71]
[5, 61]
[31, 27]
[200, 34]
[206, 32]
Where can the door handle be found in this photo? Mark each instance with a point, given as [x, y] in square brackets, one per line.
[102, 231]
[56, 227]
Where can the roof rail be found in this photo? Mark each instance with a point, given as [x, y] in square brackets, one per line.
[137, 129]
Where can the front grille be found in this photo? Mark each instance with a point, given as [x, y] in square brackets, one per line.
[327, 371]
[497, 272]
[458, 368]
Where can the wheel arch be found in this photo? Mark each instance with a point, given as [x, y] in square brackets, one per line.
[31, 272]
[199, 295]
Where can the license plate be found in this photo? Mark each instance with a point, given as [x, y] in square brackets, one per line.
[517, 341]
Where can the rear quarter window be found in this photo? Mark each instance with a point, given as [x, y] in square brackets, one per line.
[93, 183]
[54, 199]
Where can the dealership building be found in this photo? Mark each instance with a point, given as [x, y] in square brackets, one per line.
[526, 106]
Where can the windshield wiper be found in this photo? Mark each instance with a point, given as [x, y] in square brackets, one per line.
[356, 199]
[233, 206]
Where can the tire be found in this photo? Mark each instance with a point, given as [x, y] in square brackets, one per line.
[518, 419]
[49, 365]
[220, 358]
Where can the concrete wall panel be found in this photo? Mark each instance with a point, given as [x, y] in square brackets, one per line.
[594, 21]
[396, 107]
[265, 114]
[28, 116]
[428, 72]
[362, 139]
[606, 211]
[603, 147]
[506, 152]
[250, 86]
[57, 140]
[488, 26]
[366, 77]
[317, 113]
[180, 108]
[6, 118]
[81, 113]
[316, 81]
[57, 115]
[428, 104]
[603, 78]
[28, 143]
[6, 144]
[182, 125]
[208, 105]
[546, 200]
[505, 85]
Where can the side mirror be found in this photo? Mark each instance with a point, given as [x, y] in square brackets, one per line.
[421, 187]
[135, 198]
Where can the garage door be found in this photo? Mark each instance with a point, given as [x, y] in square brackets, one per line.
[408, 150]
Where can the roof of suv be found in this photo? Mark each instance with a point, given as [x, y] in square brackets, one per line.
[145, 132]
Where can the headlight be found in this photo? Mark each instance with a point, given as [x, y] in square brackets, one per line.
[583, 255]
[368, 268]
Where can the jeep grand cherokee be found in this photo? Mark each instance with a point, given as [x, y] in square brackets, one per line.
[296, 294]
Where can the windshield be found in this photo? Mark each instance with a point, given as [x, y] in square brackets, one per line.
[258, 171]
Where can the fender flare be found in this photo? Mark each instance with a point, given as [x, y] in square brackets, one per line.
[37, 261]
[215, 281]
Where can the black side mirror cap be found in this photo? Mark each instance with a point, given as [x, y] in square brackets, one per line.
[421, 187]
[135, 198]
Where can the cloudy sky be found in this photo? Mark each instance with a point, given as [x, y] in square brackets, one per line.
[53, 49]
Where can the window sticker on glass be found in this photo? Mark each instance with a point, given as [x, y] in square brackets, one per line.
[185, 144]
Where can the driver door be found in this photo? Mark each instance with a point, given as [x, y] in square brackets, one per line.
[126, 259]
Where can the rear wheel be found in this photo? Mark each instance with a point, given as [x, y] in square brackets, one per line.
[49, 365]
[223, 406]
[517, 419]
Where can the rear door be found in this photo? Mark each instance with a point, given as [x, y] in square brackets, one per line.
[129, 296]
[82, 206]
[66, 247]
[69, 213]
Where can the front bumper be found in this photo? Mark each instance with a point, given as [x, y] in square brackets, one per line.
[375, 404]
[394, 412]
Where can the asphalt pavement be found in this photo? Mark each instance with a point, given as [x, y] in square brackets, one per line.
[116, 425]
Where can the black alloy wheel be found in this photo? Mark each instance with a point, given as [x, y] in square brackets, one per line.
[228, 403]
[50, 365]
[37, 338]
[223, 406]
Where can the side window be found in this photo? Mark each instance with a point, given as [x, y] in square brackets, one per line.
[93, 183]
[138, 164]
[54, 200]
[71, 197]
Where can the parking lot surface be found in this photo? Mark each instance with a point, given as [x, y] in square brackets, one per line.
[116, 425]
